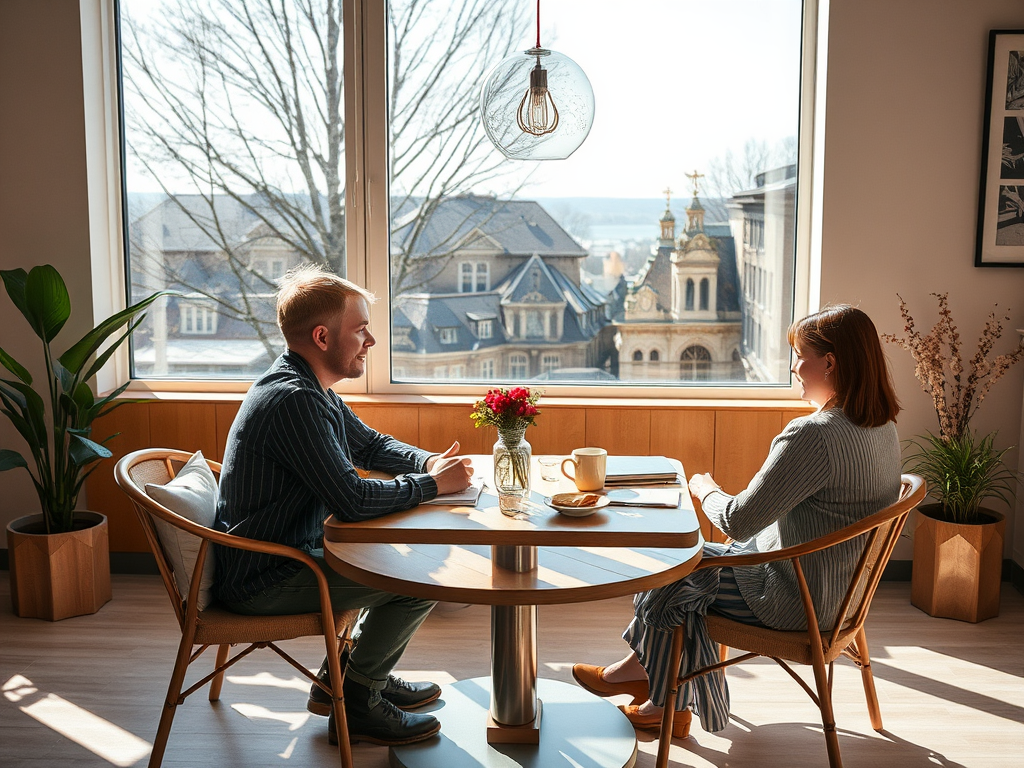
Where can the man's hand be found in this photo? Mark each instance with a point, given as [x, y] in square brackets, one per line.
[450, 471]
[701, 485]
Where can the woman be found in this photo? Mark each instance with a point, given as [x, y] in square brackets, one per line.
[824, 472]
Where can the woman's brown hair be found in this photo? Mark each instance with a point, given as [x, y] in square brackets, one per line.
[861, 378]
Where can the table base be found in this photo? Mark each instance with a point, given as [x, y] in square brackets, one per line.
[579, 730]
[515, 734]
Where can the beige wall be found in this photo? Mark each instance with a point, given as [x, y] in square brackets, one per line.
[43, 198]
[903, 128]
[904, 109]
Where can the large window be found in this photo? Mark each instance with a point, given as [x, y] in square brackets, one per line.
[241, 128]
[234, 171]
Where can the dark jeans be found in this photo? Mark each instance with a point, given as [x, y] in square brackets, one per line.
[385, 628]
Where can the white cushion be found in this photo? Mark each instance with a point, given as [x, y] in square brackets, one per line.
[193, 495]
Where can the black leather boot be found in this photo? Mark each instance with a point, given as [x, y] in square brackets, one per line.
[374, 719]
[402, 694]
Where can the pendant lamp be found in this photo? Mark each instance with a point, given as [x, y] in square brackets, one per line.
[537, 104]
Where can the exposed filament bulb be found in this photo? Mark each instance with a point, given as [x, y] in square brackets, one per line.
[537, 114]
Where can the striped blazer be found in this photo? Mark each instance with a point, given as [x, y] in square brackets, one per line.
[290, 462]
[822, 473]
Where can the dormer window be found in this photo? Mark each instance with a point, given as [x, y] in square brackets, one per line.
[485, 329]
[448, 335]
[474, 277]
[197, 318]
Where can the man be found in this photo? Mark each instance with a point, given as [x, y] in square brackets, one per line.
[290, 462]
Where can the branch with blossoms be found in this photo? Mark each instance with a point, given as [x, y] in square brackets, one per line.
[940, 368]
[507, 409]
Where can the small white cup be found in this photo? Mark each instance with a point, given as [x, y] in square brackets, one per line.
[589, 466]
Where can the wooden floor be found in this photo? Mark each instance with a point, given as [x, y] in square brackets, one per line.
[87, 691]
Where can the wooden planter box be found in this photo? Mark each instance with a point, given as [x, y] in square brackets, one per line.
[58, 575]
[957, 568]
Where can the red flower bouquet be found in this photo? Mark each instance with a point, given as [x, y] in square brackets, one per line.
[512, 409]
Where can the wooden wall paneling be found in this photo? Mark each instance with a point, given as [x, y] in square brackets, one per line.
[558, 430]
[687, 435]
[400, 421]
[789, 415]
[742, 439]
[101, 492]
[186, 426]
[441, 424]
[226, 413]
[626, 432]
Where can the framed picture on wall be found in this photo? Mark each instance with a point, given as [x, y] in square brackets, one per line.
[1001, 199]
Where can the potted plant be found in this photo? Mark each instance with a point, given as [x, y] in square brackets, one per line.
[59, 560]
[958, 542]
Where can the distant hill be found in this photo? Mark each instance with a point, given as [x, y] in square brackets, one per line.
[630, 210]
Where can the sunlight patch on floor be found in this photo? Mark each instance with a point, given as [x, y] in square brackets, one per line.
[294, 720]
[101, 737]
[433, 675]
[271, 681]
[289, 749]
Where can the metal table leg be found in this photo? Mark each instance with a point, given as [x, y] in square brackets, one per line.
[514, 655]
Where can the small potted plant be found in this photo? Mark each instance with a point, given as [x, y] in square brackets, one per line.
[958, 543]
[59, 560]
[511, 411]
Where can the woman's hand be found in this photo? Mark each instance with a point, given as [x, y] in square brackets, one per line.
[701, 485]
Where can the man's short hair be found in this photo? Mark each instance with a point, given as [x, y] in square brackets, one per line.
[310, 295]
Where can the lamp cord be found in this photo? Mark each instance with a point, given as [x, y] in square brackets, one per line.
[538, 23]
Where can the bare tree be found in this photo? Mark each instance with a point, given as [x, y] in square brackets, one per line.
[235, 107]
[731, 173]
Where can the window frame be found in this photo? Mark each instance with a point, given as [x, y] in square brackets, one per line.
[367, 204]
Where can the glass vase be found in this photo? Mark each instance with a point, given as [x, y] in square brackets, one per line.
[512, 470]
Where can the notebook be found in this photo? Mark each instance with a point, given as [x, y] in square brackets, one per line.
[628, 470]
[668, 498]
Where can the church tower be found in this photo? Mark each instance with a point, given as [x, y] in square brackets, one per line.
[695, 266]
[668, 223]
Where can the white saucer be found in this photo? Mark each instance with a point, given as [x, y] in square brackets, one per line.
[602, 501]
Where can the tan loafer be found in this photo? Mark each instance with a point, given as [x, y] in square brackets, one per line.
[680, 723]
[590, 678]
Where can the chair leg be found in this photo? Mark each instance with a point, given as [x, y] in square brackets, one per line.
[868, 679]
[340, 719]
[828, 720]
[171, 702]
[218, 682]
[723, 654]
[668, 716]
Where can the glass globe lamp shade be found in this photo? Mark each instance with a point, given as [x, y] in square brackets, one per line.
[537, 105]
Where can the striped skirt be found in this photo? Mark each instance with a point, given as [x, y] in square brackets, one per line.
[686, 602]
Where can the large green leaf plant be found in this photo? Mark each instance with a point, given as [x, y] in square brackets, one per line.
[59, 443]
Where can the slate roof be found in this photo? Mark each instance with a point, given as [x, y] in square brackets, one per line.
[514, 227]
[192, 223]
[425, 314]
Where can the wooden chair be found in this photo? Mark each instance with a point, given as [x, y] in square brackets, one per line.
[810, 646]
[216, 625]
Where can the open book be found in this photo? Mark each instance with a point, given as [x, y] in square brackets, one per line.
[465, 498]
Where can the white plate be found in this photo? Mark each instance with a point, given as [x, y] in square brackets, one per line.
[602, 501]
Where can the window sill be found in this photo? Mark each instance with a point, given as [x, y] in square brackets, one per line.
[205, 392]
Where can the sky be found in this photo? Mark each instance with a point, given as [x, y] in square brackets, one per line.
[676, 84]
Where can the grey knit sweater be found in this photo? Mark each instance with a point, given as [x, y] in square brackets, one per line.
[822, 473]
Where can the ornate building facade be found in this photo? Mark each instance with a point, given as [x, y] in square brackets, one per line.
[681, 318]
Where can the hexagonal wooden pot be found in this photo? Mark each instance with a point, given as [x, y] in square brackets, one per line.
[957, 568]
[58, 575]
